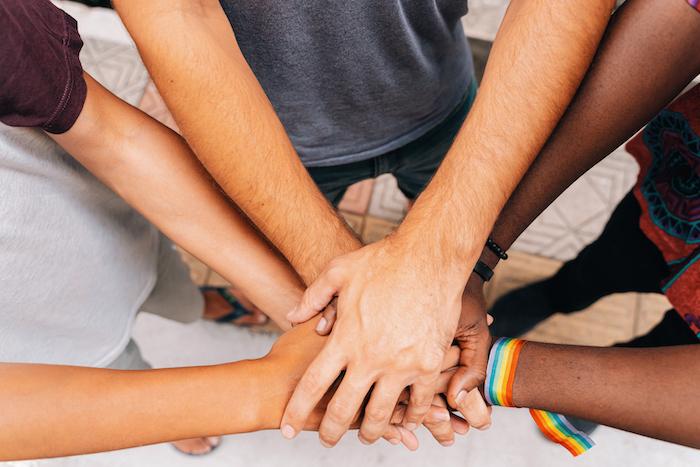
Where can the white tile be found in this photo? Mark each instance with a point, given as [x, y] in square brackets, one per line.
[96, 23]
[387, 200]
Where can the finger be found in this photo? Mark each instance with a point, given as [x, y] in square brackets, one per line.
[408, 438]
[459, 425]
[438, 422]
[443, 380]
[317, 378]
[419, 403]
[464, 380]
[317, 296]
[325, 324]
[392, 435]
[379, 410]
[342, 408]
[473, 408]
[489, 320]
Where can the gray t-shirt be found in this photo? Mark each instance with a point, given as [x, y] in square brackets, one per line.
[355, 79]
[76, 262]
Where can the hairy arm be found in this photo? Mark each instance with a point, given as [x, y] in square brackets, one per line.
[192, 55]
[405, 293]
[650, 391]
[650, 38]
[154, 170]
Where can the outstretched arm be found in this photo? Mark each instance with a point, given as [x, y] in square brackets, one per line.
[77, 410]
[154, 170]
[650, 391]
[655, 39]
[223, 112]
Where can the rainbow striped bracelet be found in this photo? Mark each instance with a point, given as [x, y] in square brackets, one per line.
[498, 389]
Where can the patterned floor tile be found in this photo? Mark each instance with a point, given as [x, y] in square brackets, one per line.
[387, 201]
[610, 320]
[356, 199]
[152, 103]
[376, 229]
[484, 18]
[117, 67]
[578, 216]
[216, 280]
[198, 270]
[651, 309]
[355, 221]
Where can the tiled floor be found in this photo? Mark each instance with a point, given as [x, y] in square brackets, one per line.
[374, 208]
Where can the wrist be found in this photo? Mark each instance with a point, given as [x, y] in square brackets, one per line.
[447, 262]
[341, 241]
[274, 389]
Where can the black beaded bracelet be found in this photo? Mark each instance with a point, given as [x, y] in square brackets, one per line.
[497, 250]
[482, 270]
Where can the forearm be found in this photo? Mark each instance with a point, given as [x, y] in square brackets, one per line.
[647, 391]
[75, 410]
[50, 411]
[650, 38]
[541, 52]
[225, 116]
[153, 170]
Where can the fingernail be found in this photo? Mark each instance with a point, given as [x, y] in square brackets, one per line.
[394, 441]
[460, 397]
[321, 326]
[443, 416]
[288, 432]
[448, 443]
[214, 441]
[363, 440]
[485, 427]
[324, 444]
[410, 426]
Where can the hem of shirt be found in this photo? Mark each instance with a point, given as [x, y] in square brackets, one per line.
[395, 143]
[107, 358]
[65, 115]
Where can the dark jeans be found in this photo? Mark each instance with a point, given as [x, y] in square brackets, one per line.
[622, 259]
[413, 164]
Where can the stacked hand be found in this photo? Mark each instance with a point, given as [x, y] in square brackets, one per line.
[397, 316]
[293, 352]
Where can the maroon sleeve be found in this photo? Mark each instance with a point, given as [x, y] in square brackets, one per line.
[41, 79]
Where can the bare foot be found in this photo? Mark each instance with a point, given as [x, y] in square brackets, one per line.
[216, 306]
[197, 446]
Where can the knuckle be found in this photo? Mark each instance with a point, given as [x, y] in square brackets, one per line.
[422, 401]
[370, 435]
[339, 412]
[327, 440]
[308, 385]
[430, 363]
[334, 271]
[375, 416]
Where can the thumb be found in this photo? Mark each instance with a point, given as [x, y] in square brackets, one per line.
[464, 380]
[316, 297]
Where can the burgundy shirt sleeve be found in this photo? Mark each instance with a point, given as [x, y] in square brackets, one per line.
[41, 79]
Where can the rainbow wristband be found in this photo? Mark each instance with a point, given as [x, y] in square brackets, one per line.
[498, 389]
